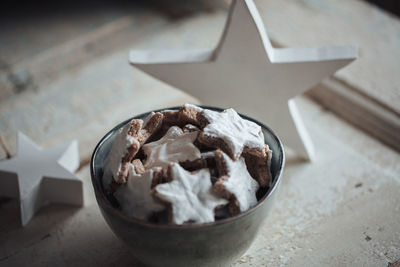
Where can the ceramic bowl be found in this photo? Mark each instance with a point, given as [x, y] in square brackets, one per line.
[211, 244]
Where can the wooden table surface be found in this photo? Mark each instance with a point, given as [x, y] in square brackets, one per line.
[65, 79]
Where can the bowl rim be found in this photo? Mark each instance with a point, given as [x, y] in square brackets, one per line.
[100, 196]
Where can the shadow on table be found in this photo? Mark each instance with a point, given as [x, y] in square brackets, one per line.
[60, 235]
[48, 215]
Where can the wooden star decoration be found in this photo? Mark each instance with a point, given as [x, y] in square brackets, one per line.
[245, 72]
[39, 176]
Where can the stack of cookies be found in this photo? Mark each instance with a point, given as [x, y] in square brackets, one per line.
[192, 165]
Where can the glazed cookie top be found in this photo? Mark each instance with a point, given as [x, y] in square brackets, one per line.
[234, 173]
[191, 195]
[187, 166]
[236, 132]
[175, 146]
[136, 197]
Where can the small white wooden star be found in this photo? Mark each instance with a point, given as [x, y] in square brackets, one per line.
[245, 72]
[39, 176]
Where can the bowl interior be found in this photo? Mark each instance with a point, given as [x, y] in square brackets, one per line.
[104, 146]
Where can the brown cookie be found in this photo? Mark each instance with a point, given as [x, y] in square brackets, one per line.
[136, 135]
[123, 171]
[170, 117]
[235, 183]
[190, 195]
[190, 114]
[187, 114]
[160, 176]
[174, 146]
[152, 123]
[207, 160]
[229, 132]
[193, 165]
[258, 164]
[207, 142]
[219, 187]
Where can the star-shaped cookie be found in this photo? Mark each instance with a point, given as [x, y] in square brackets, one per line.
[127, 143]
[174, 146]
[233, 132]
[235, 183]
[191, 195]
[119, 158]
[135, 196]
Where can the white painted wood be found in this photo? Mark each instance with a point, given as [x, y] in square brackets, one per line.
[37, 177]
[245, 72]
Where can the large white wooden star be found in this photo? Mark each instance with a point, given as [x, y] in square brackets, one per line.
[38, 176]
[245, 72]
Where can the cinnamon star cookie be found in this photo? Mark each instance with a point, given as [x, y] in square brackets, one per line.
[174, 146]
[235, 183]
[127, 143]
[135, 195]
[190, 195]
[228, 131]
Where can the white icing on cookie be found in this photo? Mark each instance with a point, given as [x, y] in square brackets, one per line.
[191, 195]
[135, 196]
[119, 147]
[235, 131]
[190, 128]
[240, 183]
[174, 146]
[193, 106]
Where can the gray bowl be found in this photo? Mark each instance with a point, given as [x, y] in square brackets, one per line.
[211, 244]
